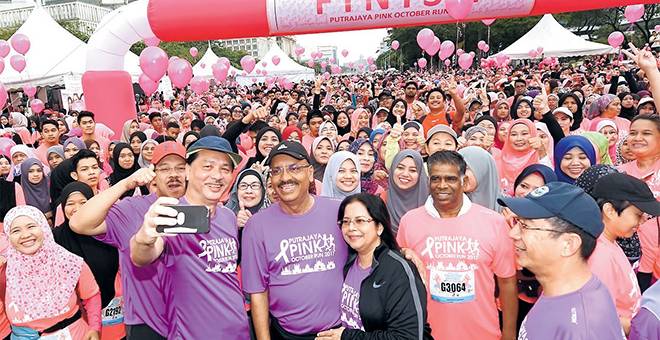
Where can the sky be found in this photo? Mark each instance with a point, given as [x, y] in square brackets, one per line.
[365, 42]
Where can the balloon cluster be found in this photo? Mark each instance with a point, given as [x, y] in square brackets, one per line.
[21, 44]
[535, 53]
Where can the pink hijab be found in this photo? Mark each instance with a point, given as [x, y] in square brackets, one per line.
[30, 278]
[354, 119]
[511, 162]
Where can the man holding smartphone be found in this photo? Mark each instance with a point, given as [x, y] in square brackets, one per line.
[200, 283]
[114, 222]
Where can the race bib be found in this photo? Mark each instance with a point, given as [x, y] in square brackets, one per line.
[113, 313]
[452, 285]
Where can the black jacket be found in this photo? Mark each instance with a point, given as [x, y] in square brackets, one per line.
[392, 299]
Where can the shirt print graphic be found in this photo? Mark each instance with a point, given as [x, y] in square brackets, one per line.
[350, 307]
[451, 263]
[220, 254]
[307, 254]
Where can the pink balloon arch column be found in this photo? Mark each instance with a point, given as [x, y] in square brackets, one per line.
[108, 89]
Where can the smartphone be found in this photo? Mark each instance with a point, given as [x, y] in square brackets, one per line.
[191, 219]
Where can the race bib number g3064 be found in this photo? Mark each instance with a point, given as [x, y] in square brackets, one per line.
[456, 285]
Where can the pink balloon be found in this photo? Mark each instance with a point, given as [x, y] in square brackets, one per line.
[421, 62]
[324, 64]
[350, 65]
[344, 53]
[657, 29]
[481, 44]
[488, 22]
[199, 85]
[459, 52]
[372, 67]
[276, 60]
[193, 51]
[3, 96]
[219, 70]
[224, 61]
[472, 54]
[264, 72]
[180, 73]
[29, 90]
[21, 43]
[153, 41]
[395, 45]
[486, 48]
[247, 63]
[326, 75]
[615, 39]
[4, 48]
[459, 9]
[332, 60]
[37, 105]
[254, 80]
[501, 59]
[539, 50]
[446, 49]
[335, 69]
[17, 62]
[370, 60]
[258, 71]
[202, 65]
[2, 65]
[425, 38]
[153, 62]
[299, 50]
[532, 53]
[147, 85]
[447, 62]
[435, 46]
[465, 61]
[264, 63]
[633, 13]
[310, 63]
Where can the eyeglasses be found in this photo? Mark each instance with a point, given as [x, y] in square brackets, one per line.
[358, 221]
[293, 169]
[178, 169]
[254, 186]
[526, 227]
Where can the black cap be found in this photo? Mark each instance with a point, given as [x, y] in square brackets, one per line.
[562, 200]
[385, 93]
[622, 187]
[289, 148]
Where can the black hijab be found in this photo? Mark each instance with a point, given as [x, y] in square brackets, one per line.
[626, 112]
[139, 134]
[59, 178]
[120, 173]
[577, 115]
[102, 259]
[342, 130]
[258, 157]
[7, 197]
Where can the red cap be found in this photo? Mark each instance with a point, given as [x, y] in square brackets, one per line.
[168, 148]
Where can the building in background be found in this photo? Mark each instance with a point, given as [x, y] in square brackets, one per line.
[86, 15]
[258, 47]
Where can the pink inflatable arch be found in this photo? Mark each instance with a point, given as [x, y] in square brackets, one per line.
[108, 90]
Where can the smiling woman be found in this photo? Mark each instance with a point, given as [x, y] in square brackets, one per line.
[342, 175]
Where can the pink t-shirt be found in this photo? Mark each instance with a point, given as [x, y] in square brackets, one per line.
[648, 231]
[462, 255]
[611, 265]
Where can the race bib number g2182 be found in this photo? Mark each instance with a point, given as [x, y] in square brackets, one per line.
[452, 285]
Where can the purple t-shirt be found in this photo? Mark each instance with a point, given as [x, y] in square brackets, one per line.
[350, 296]
[141, 286]
[202, 293]
[288, 255]
[585, 314]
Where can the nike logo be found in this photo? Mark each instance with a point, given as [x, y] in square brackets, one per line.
[376, 286]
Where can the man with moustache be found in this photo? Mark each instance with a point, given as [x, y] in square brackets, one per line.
[291, 247]
[114, 223]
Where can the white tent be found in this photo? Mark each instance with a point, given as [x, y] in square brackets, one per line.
[56, 57]
[287, 68]
[208, 59]
[555, 40]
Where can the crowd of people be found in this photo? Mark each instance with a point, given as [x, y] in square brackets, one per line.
[519, 202]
